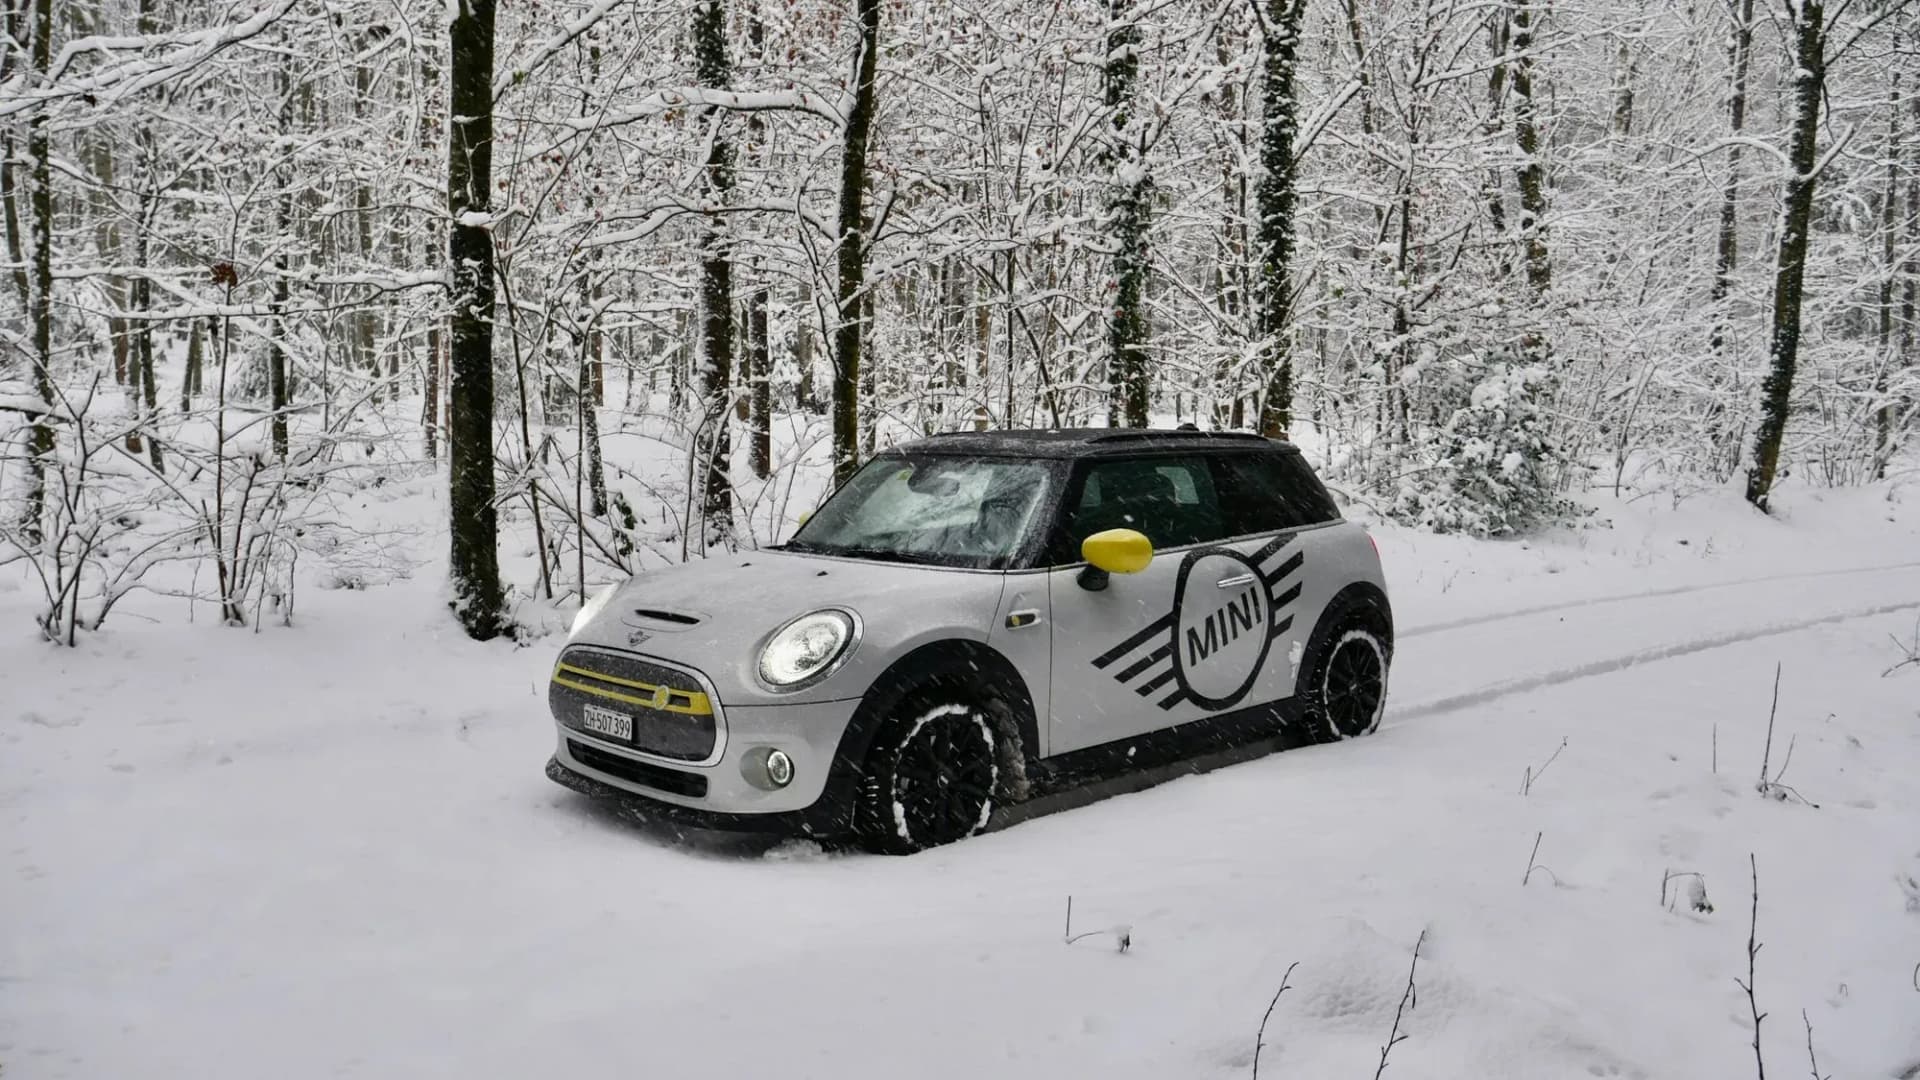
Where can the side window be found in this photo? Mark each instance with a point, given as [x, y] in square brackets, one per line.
[1267, 492]
[1170, 499]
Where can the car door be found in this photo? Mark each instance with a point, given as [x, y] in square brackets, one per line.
[1120, 665]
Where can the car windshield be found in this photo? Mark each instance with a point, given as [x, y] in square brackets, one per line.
[944, 510]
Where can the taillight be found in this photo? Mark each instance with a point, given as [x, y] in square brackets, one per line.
[1376, 546]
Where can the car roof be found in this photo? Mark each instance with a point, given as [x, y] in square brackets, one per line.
[1085, 442]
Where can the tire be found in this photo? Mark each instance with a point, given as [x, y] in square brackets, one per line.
[931, 774]
[1345, 676]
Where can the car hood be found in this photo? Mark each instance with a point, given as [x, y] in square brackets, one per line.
[714, 614]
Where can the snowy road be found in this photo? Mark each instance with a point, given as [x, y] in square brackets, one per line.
[331, 853]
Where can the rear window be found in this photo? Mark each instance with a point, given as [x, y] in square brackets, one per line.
[1267, 492]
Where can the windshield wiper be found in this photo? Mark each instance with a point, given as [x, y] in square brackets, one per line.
[918, 558]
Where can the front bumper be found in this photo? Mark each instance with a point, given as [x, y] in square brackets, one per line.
[818, 737]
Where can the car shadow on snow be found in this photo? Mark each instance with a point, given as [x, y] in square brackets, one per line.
[685, 839]
[1068, 793]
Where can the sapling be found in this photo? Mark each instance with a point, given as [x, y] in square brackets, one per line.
[1260, 1038]
[1407, 1001]
[1753, 950]
[1812, 1060]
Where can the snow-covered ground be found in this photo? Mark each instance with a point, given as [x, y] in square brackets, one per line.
[330, 851]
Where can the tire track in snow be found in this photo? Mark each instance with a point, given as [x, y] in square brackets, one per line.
[1470, 698]
[1649, 594]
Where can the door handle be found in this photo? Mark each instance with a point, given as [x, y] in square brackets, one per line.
[1236, 581]
[1020, 620]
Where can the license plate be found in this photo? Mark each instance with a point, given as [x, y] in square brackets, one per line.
[607, 722]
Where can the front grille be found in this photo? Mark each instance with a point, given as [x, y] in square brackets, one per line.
[672, 781]
[672, 715]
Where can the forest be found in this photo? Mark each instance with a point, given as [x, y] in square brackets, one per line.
[633, 277]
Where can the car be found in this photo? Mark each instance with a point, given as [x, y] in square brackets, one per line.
[975, 619]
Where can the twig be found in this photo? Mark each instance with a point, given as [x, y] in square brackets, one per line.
[1526, 785]
[1407, 1000]
[1814, 1061]
[1787, 761]
[1122, 935]
[1260, 1039]
[1771, 786]
[1753, 950]
[1700, 903]
[1766, 756]
[1912, 651]
[1532, 866]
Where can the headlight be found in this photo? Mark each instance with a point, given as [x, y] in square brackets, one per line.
[594, 606]
[807, 648]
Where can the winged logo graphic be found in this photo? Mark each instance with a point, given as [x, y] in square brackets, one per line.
[1228, 608]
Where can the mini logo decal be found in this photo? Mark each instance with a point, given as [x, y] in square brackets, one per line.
[637, 637]
[1209, 650]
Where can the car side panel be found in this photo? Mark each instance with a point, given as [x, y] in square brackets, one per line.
[1023, 633]
[1111, 657]
[1329, 558]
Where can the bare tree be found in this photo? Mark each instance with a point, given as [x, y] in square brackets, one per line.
[475, 564]
[1807, 22]
[1279, 128]
[851, 235]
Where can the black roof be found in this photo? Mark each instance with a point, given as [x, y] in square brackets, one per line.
[1083, 442]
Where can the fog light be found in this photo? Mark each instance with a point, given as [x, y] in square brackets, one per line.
[779, 768]
[766, 768]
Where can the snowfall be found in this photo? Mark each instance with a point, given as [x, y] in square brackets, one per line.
[328, 849]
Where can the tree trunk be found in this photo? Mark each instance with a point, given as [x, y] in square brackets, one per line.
[283, 209]
[1130, 207]
[1727, 257]
[759, 355]
[14, 46]
[1526, 134]
[146, 404]
[1279, 125]
[716, 285]
[196, 363]
[869, 382]
[39, 275]
[852, 263]
[126, 358]
[430, 418]
[1889, 269]
[590, 438]
[760, 388]
[803, 353]
[1789, 281]
[475, 562]
[1909, 267]
[430, 406]
[1492, 188]
[364, 320]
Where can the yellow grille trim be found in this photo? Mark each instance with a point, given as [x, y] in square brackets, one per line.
[663, 698]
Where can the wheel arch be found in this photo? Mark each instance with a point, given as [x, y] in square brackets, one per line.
[1362, 596]
[978, 663]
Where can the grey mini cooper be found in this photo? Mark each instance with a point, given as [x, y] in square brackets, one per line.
[976, 619]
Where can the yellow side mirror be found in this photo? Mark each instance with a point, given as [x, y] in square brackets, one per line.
[1117, 551]
[804, 515]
